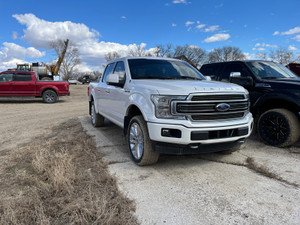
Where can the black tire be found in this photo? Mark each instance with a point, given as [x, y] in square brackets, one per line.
[278, 127]
[50, 96]
[139, 143]
[96, 119]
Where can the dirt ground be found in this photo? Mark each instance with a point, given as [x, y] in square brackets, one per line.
[24, 119]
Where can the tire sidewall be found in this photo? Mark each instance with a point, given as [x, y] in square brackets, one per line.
[134, 120]
[45, 96]
[263, 132]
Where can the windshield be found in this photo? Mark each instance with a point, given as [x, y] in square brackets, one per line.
[270, 70]
[162, 69]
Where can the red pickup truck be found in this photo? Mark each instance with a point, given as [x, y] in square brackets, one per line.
[22, 83]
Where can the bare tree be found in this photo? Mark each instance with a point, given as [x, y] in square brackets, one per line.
[262, 56]
[283, 56]
[139, 50]
[163, 50]
[71, 57]
[224, 54]
[194, 54]
[112, 55]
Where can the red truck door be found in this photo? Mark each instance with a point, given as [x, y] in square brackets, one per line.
[23, 84]
[6, 84]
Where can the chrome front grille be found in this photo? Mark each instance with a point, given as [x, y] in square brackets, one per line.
[204, 107]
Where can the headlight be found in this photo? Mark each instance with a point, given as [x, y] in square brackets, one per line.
[163, 106]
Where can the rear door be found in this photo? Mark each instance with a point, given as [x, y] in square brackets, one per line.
[23, 84]
[6, 84]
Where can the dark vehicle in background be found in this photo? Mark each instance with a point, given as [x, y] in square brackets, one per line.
[85, 79]
[23, 83]
[274, 95]
[295, 67]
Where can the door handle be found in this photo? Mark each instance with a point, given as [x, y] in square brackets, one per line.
[107, 90]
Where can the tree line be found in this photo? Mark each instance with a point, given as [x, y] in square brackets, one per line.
[198, 56]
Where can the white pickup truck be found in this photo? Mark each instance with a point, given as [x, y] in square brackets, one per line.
[166, 106]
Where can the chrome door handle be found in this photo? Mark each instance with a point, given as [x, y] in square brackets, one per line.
[107, 90]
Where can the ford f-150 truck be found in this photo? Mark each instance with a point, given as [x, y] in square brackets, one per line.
[166, 106]
[274, 96]
[22, 83]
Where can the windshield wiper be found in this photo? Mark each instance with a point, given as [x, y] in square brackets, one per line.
[270, 78]
[184, 78]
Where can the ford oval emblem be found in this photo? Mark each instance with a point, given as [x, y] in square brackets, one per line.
[222, 107]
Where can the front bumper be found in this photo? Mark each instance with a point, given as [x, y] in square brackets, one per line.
[186, 136]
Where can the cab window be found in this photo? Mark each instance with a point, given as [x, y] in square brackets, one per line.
[22, 77]
[5, 77]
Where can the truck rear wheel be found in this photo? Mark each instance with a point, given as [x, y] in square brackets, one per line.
[50, 96]
[278, 127]
[139, 143]
[96, 119]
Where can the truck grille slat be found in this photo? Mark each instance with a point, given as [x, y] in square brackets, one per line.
[205, 107]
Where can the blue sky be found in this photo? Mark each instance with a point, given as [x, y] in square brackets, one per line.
[98, 27]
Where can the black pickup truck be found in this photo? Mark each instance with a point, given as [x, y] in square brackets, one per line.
[274, 95]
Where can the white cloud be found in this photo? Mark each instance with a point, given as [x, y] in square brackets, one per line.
[14, 35]
[174, 24]
[212, 28]
[276, 33]
[217, 37]
[291, 31]
[292, 48]
[123, 17]
[219, 6]
[297, 38]
[12, 50]
[263, 46]
[180, 2]
[39, 32]
[188, 23]
[200, 26]
[11, 54]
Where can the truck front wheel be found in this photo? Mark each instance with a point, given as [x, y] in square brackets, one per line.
[139, 143]
[278, 127]
[50, 96]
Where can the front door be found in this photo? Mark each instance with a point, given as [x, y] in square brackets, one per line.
[6, 84]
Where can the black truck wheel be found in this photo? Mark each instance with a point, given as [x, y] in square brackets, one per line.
[50, 96]
[278, 127]
[96, 119]
[139, 143]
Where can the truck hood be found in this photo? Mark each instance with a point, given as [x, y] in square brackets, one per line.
[186, 87]
[284, 81]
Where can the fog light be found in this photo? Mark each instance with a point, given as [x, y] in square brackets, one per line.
[174, 133]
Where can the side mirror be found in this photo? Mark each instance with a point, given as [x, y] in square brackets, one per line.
[208, 78]
[235, 74]
[116, 79]
[112, 78]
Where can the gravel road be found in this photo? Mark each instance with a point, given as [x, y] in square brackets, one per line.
[256, 185]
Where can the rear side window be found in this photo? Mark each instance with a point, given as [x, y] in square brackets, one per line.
[6, 77]
[108, 70]
[22, 77]
[211, 70]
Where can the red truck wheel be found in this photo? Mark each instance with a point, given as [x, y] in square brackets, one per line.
[49, 96]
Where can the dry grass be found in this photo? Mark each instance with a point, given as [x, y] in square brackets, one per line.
[60, 179]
